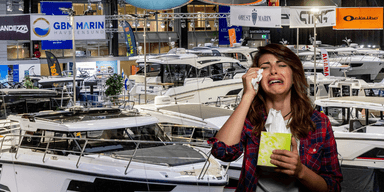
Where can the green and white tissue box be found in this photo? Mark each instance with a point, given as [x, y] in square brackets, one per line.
[269, 142]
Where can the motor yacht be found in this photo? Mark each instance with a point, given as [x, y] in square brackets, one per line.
[101, 149]
[187, 78]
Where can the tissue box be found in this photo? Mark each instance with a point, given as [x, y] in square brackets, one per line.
[270, 141]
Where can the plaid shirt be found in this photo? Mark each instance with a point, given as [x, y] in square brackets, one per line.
[317, 151]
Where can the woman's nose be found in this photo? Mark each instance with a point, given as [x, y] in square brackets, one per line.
[273, 70]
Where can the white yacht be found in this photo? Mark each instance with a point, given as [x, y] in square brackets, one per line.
[242, 53]
[101, 150]
[187, 78]
[364, 136]
[192, 122]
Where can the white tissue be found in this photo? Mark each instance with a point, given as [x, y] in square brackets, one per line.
[255, 81]
[275, 122]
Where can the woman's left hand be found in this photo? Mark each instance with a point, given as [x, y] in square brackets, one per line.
[288, 162]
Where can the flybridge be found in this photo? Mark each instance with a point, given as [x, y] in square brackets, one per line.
[79, 25]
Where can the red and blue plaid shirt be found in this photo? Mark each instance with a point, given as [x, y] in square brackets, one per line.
[317, 151]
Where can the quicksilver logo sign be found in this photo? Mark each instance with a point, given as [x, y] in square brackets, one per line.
[16, 28]
[351, 18]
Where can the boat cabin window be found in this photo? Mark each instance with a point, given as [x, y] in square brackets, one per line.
[203, 72]
[336, 92]
[193, 134]
[345, 90]
[355, 92]
[152, 69]
[253, 54]
[311, 88]
[374, 92]
[217, 72]
[238, 56]
[175, 74]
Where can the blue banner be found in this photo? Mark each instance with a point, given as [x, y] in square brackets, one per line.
[60, 44]
[130, 40]
[223, 28]
[52, 8]
[15, 73]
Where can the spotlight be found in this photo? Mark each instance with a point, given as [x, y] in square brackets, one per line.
[99, 5]
[134, 24]
[374, 46]
[361, 46]
[21, 5]
[148, 24]
[162, 25]
[9, 6]
[110, 24]
[137, 23]
[369, 46]
[207, 24]
[120, 25]
[216, 23]
[170, 24]
[89, 6]
[192, 23]
[183, 25]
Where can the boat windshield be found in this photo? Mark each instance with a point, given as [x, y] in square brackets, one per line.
[96, 141]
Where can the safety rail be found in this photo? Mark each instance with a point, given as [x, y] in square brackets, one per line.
[48, 149]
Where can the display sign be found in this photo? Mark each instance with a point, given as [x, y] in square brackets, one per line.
[130, 39]
[158, 5]
[234, 2]
[359, 18]
[326, 68]
[86, 67]
[302, 17]
[59, 27]
[52, 7]
[259, 31]
[254, 16]
[9, 73]
[232, 36]
[223, 28]
[106, 66]
[15, 27]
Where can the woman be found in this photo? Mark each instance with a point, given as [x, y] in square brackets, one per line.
[312, 163]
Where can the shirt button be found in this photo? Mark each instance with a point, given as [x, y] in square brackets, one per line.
[314, 150]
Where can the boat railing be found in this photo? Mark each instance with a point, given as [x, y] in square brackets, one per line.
[54, 148]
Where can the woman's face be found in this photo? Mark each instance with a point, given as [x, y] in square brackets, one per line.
[277, 75]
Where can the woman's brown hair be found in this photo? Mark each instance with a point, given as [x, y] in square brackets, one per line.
[301, 106]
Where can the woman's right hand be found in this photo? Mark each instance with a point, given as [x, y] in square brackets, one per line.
[247, 81]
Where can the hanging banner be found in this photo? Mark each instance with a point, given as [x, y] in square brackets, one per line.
[223, 28]
[130, 40]
[45, 27]
[15, 27]
[359, 18]
[235, 2]
[285, 14]
[53, 64]
[326, 68]
[232, 37]
[256, 16]
[302, 17]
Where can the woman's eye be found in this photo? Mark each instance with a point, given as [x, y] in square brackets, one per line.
[283, 65]
[264, 67]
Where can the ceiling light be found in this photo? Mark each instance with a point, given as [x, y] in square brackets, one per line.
[183, 25]
[192, 23]
[134, 24]
[89, 6]
[99, 5]
[216, 23]
[137, 23]
[162, 25]
[170, 24]
[110, 24]
[148, 24]
[21, 5]
[207, 24]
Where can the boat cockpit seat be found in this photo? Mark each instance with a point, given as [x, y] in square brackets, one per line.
[355, 124]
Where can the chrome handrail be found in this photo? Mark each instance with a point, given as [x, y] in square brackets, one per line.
[130, 160]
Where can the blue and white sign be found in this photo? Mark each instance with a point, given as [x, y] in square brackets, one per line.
[52, 7]
[59, 27]
[60, 44]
